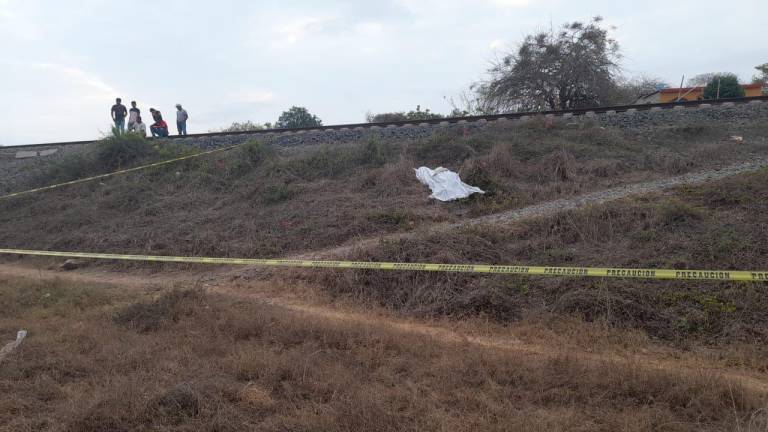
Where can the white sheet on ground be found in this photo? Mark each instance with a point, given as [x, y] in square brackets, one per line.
[8, 348]
[445, 184]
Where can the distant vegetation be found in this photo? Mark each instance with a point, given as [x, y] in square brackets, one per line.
[723, 86]
[576, 66]
[762, 76]
[297, 117]
[115, 151]
[245, 126]
[418, 114]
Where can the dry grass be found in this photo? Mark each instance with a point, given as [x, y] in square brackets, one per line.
[722, 225]
[259, 201]
[97, 359]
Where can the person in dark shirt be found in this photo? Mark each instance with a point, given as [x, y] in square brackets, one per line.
[119, 112]
[156, 116]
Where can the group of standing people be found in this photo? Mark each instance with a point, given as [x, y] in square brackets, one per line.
[158, 129]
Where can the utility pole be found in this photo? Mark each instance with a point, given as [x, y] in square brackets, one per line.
[718, 88]
[680, 90]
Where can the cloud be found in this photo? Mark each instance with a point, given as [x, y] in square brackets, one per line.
[78, 77]
[253, 96]
[496, 44]
[511, 3]
[73, 103]
[369, 28]
[292, 32]
[16, 26]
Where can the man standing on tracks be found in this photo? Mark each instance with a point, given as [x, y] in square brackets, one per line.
[118, 115]
[181, 119]
[133, 114]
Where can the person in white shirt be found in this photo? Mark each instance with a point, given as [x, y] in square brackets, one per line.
[132, 114]
[181, 119]
[139, 127]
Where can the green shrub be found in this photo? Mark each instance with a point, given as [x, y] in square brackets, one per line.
[170, 150]
[250, 155]
[372, 153]
[442, 150]
[325, 162]
[169, 308]
[677, 213]
[255, 152]
[477, 173]
[397, 218]
[277, 193]
[723, 86]
[69, 168]
[333, 161]
[120, 149]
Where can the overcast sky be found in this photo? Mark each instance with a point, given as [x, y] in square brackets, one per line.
[62, 62]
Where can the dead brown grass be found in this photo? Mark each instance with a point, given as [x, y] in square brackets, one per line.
[721, 225]
[259, 201]
[227, 364]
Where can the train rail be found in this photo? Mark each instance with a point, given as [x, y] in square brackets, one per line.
[449, 120]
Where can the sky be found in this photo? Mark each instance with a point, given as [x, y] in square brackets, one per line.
[63, 62]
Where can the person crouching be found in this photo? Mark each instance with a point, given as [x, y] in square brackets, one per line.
[159, 128]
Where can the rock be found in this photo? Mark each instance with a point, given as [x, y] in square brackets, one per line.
[15, 174]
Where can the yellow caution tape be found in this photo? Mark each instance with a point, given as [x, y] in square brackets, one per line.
[722, 275]
[123, 171]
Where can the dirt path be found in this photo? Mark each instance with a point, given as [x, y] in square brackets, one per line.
[550, 207]
[502, 340]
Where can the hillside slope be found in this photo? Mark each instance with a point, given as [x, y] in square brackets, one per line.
[260, 201]
[179, 348]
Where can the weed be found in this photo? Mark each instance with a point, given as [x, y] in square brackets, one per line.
[477, 173]
[169, 308]
[57, 296]
[177, 404]
[398, 218]
[251, 366]
[277, 193]
[441, 149]
[249, 156]
[678, 213]
[561, 165]
[68, 168]
[120, 150]
[372, 153]
[676, 231]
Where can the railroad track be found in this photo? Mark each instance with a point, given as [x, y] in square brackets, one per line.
[450, 120]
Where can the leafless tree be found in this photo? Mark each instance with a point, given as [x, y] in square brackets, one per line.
[762, 77]
[571, 68]
[628, 90]
[468, 102]
[702, 79]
